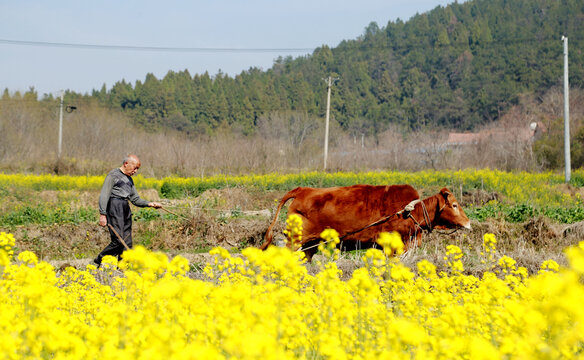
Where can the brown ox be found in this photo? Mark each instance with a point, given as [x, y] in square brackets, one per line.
[360, 212]
[345, 209]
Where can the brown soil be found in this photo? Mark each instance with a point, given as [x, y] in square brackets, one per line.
[478, 197]
[571, 190]
[231, 218]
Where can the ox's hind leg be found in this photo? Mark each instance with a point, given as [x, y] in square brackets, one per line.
[310, 234]
[310, 248]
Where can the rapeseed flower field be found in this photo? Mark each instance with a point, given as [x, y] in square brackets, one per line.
[518, 187]
[266, 305]
[519, 195]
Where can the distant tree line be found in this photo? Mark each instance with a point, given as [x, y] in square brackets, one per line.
[95, 138]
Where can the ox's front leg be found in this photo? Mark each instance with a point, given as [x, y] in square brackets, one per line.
[413, 239]
[418, 239]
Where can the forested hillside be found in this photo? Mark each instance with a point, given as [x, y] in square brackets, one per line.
[457, 66]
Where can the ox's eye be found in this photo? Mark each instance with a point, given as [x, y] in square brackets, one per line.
[455, 205]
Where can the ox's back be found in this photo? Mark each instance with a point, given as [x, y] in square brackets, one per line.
[350, 207]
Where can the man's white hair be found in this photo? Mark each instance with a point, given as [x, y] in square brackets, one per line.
[129, 158]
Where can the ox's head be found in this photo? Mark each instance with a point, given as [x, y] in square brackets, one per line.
[450, 214]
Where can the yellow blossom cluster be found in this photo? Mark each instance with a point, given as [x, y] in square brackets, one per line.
[490, 249]
[328, 247]
[293, 231]
[265, 304]
[7, 242]
[391, 242]
[452, 258]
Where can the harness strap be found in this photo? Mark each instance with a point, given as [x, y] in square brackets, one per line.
[380, 221]
[427, 219]
[408, 208]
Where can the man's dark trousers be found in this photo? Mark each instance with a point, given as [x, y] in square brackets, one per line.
[119, 216]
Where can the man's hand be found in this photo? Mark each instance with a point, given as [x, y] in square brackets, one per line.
[155, 205]
[102, 220]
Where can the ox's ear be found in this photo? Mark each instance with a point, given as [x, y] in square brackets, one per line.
[445, 193]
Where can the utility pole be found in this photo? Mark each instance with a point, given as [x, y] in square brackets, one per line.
[69, 109]
[567, 160]
[60, 126]
[328, 112]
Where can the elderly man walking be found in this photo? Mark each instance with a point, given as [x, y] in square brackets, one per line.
[118, 188]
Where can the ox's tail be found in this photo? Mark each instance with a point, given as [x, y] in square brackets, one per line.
[269, 236]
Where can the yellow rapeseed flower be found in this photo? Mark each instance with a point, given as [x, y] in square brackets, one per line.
[265, 304]
[391, 243]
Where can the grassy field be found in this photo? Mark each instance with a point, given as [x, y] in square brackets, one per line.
[534, 216]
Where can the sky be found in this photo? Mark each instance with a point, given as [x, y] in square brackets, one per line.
[40, 41]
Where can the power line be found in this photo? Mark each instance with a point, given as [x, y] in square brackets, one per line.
[151, 48]
[349, 45]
